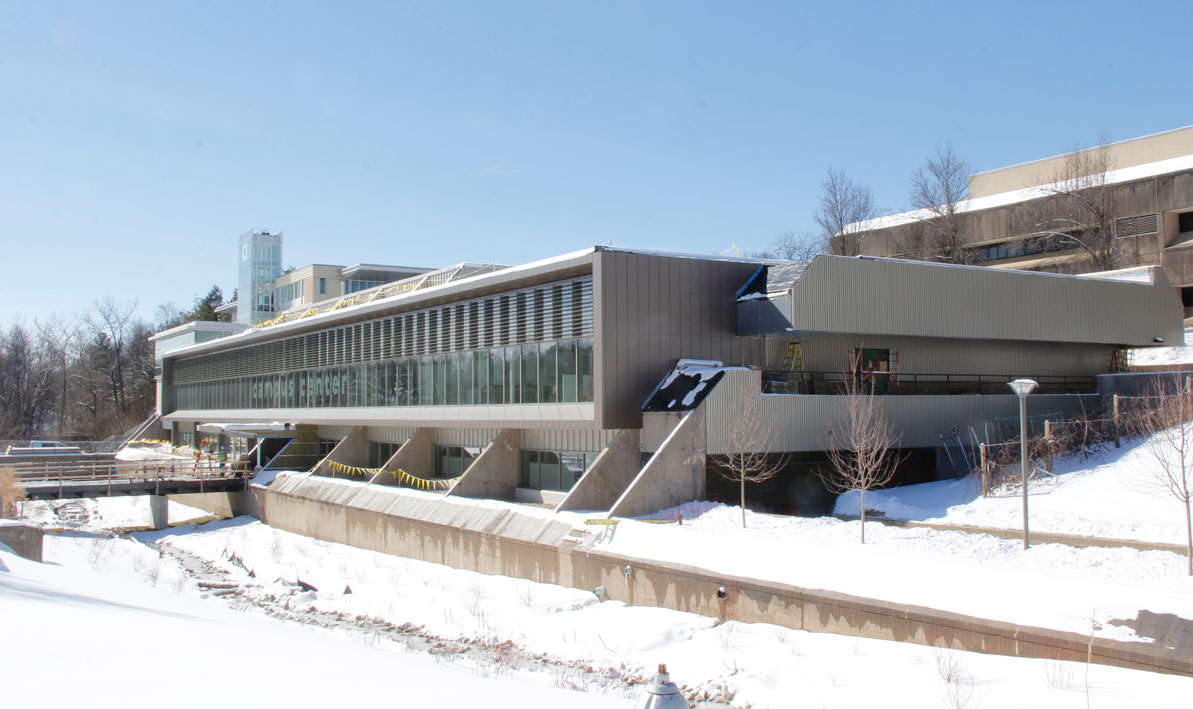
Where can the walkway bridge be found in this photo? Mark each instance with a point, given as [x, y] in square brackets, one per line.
[78, 476]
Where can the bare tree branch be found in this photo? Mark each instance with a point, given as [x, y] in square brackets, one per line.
[845, 207]
[862, 448]
[748, 442]
[1168, 427]
[941, 188]
[1085, 201]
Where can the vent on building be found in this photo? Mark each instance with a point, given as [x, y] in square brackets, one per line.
[1134, 226]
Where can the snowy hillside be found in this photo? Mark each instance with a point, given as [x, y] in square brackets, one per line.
[1105, 495]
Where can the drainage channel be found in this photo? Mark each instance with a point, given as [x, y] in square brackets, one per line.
[490, 657]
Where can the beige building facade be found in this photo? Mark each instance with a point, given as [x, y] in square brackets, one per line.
[1037, 215]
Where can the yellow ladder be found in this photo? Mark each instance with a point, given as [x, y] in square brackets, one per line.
[793, 360]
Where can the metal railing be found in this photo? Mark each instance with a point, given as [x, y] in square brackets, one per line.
[895, 383]
[106, 472]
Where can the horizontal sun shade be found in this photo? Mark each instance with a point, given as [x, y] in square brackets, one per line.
[556, 311]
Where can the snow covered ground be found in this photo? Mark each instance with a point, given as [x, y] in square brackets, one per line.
[100, 606]
[1105, 495]
[1180, 354]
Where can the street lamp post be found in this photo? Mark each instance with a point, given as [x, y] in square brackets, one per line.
[1023, 387]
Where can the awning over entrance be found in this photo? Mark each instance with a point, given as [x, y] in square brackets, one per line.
[244, 427]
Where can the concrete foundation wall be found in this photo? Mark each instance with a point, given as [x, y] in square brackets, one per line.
[222, 504]
[353, 450]
[23, 539]
[612, 471]
[517, 544]
[494, 473]
[414, 456]
[674, 475]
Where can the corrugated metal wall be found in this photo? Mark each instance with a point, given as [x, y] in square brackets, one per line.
[919, 355]
[476, 437]
[333, 433]
[391, 434]
[803, 421]
[881, 296]
[578, 440]
[653, 310]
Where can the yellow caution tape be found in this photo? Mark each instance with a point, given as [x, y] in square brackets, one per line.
[401, 475]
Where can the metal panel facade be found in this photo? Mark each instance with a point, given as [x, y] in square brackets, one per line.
[923, 355]
[889, 297]
[653, 310]
[803, 421]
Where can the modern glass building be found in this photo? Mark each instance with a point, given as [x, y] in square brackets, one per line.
[605, 378]
[260, 264]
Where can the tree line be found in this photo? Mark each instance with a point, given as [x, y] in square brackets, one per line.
[85, 377]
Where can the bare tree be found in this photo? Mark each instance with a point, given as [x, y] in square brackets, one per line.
[748, 442]
[862, 448]
[111, 323]
[940, 188]
[1168, 427]
[60, 342]
[26, 385]
[1082, 211]
[844, 209]
[794, 247]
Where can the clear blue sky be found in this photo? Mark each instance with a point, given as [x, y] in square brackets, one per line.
[139, 139]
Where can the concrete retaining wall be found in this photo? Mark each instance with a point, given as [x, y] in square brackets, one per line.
[612, 471]
[221, 504]
[510, 542]
[674, 474]
[494, 473]
[23, 539]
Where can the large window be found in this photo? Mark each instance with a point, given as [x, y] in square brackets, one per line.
[552, 470]
[452, 461]
[456, 355]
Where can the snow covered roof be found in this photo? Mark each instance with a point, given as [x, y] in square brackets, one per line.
[686, 385]
[1126, 174]
[772, 279]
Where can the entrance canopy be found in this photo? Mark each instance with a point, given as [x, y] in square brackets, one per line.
[244, 427]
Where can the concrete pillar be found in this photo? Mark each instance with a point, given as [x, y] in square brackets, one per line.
[414, 456]
[612, 471]
[353, 451]
[494, 474]
[674, 475]
[159, 515]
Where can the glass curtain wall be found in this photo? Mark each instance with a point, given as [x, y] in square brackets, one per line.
[526, 347]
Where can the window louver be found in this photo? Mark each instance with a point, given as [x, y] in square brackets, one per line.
[1134, 226]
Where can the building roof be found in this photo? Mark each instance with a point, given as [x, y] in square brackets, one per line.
[1040, 184]
[199, 325]
[772, 279]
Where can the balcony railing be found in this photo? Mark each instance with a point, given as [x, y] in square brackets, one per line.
[895, 383]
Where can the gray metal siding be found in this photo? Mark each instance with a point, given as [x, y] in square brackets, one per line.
[653, 310]
[804, 421]
[391, 434]
[889, 297]
[577, 440]
[921, 355]
[475, 437]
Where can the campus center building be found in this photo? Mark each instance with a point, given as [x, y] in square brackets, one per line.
[1139, 192]
[613, 379]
